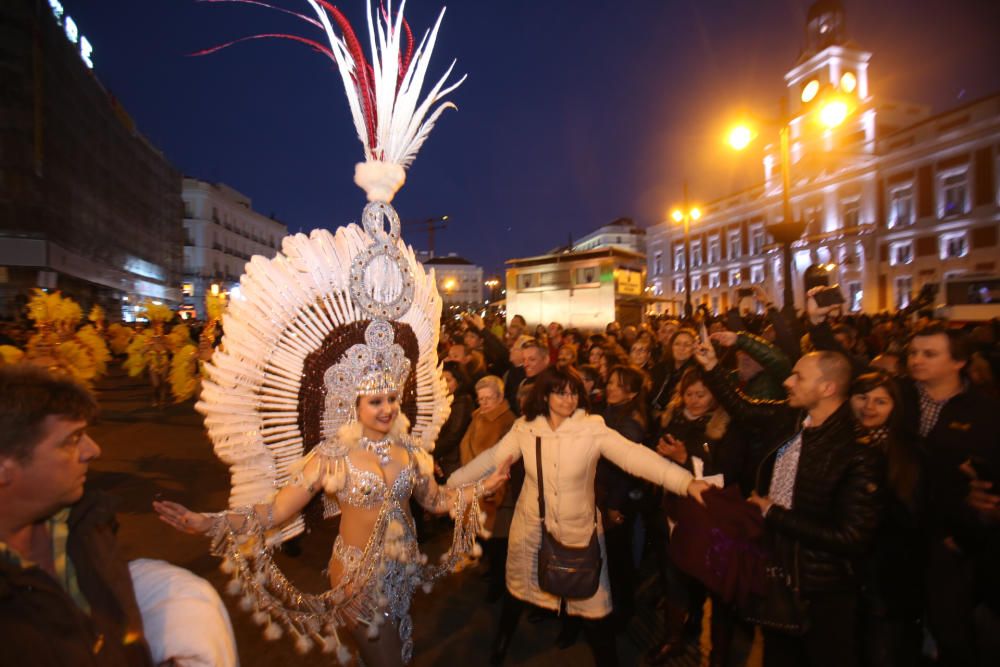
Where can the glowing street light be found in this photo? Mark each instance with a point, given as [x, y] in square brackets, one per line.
[685, 216]
[740, 137]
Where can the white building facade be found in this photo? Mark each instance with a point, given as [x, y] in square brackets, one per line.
[621, 233]
[459, 281]
[222, 232]
[892, 199]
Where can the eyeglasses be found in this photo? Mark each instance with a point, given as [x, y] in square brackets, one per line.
[566, 393]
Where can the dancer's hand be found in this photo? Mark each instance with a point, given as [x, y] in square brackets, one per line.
[499, 477]
[181, 518]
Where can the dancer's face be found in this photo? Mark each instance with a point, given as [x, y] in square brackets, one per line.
[377, 414]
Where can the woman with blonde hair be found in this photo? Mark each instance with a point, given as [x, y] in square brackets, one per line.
[490, 422]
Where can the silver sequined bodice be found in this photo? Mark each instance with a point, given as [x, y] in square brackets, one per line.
[365, 489]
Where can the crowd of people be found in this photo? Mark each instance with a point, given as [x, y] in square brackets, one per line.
[865, 447]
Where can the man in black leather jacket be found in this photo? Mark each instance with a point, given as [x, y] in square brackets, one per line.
[820, 493]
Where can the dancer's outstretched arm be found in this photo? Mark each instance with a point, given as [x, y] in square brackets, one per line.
[288, 501]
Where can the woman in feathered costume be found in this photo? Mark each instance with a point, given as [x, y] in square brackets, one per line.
[167, 358]
[58, 345]
[327, 359]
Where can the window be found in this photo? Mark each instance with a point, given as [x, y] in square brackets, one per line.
[715, 305]
[587, 274]
[852, 213]
[679, 257]
[954, 194]
[900, 253]
[713, 280]
[734, 243]
[954, 246]
[757, 241]
[657, 263]
[679, 286]
[757, 274]
[696, 254]
[695, 283]
[734, 277]
[904, 285]
[812, 215]
[901, 207]
[714, 249]
[854, 295]
[526, 281]
[187, 289]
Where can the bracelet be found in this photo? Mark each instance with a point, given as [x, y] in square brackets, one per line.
[270, 516]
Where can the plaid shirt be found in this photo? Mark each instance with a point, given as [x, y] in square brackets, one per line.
[786, 468]
[65, 572]
[930, 410]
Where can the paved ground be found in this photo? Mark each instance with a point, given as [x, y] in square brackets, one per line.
[149, 453]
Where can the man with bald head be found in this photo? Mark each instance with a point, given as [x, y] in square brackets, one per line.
[820, 494]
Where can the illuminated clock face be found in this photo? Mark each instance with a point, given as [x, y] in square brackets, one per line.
[810, 91]
[848, 82]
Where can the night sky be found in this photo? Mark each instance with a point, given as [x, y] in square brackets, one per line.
[575, 112]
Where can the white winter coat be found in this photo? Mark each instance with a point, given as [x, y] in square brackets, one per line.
[570, 455]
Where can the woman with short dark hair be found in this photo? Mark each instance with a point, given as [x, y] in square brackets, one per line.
[570, 442]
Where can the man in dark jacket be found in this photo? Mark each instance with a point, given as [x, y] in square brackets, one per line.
[66, 597]
[957, 426]
[819, 491]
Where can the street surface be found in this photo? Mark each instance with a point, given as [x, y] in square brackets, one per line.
[149, 452]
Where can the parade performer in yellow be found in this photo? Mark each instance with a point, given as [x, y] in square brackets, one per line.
[327, 382]
[57, 343]
[162, 355]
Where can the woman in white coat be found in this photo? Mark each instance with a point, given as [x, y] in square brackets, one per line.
[572, 443]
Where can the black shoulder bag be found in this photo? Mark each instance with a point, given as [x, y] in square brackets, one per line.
[567, 572]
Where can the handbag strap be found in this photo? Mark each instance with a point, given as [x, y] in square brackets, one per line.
[541, 484]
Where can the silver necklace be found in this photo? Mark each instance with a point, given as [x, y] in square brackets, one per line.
[379, 448]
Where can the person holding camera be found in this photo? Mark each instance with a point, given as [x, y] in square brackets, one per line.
[820, 492]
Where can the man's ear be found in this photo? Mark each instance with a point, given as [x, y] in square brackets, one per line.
[7, 466]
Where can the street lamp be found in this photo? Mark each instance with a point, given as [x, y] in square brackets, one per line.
[831, 112]
[684, 216]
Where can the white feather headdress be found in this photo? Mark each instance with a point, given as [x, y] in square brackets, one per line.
[265, 391]
[391, 120]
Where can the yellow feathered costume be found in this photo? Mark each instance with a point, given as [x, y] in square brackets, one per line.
[168, 358]
[58, 345]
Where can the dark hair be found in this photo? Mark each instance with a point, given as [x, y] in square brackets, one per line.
[550, 381]
[958, 341]
[457, 372]
[589, 372]
[634, 382]
[903, 464]
[29, 394]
